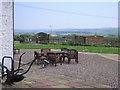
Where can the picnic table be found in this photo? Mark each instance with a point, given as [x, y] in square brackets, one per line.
[55, 56]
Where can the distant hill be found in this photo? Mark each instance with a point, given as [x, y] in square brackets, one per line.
[112, 32]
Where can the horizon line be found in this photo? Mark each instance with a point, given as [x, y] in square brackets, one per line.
[62, 28]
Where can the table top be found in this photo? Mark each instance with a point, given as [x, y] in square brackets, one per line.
[57, 52]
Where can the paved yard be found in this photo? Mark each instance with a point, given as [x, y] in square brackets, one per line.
[92, 71]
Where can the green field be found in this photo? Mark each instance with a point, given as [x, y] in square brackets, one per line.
[95, 49]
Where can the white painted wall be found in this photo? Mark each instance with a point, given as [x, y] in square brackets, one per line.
[6, 30]
[0, 30]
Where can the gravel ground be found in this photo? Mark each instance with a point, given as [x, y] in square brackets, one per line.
[91, 67]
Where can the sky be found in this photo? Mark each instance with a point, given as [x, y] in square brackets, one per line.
[59, 15]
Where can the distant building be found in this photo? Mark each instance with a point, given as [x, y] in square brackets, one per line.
[42, 37]
[27, 39]
[90, 40]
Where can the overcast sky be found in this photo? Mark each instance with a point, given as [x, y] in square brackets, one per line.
[42, 15]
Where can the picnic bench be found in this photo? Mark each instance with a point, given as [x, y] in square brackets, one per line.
[56, 56]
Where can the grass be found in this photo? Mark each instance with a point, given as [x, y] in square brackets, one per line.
[95, 49]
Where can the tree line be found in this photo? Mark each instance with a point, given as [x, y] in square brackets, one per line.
[21, 37]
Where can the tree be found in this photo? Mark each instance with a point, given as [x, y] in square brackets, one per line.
[16, 37]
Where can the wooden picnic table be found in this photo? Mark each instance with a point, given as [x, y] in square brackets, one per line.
[56, 56]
